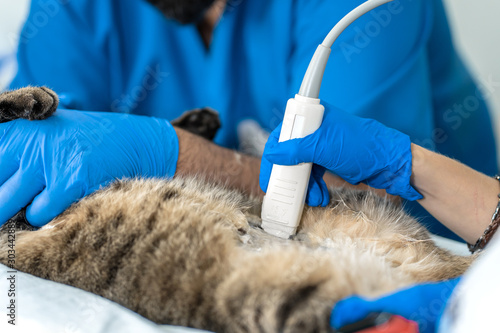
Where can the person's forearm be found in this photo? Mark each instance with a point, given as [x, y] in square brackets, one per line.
[461, 198]
[200, 157]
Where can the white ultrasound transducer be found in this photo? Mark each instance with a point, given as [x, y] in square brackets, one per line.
[287, 189]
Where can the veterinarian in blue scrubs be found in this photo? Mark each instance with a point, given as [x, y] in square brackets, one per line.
[396, 65]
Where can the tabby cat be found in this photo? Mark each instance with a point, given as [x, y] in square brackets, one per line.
[190, 253]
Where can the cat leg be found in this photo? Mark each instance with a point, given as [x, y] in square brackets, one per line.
[203, 122]
[431, 263]
[32, 103]
[277, 291]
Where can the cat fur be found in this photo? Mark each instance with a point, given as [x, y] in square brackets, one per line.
[191, 253]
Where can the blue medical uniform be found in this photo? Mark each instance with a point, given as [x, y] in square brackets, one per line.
[396, 64]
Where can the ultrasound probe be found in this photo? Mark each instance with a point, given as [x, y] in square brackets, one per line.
[286, 193]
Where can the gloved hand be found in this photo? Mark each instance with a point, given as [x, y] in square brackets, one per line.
[423, 304]
[354, 148]
[55, 162]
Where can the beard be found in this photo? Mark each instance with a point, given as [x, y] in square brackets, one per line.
[183, 11]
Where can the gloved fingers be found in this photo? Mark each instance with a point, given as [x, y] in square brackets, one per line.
[351, 310]
[9, 164]
[273, 138]
[317, 194]
[265, 173]
[412, 303]
[326, 196]
[7, 170]
[265, 166]
[17, 192]
[4, 127]
[318, 172]
[324, 187]
[354, 308]
[291, 152]
[51, 203]
[275, 134]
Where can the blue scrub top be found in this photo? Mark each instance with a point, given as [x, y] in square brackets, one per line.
[396, 64]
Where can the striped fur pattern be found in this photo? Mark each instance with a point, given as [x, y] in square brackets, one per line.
[186, 252]
[190, 253]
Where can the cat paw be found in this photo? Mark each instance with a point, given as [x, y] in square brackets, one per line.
[19, 223]
[32, 103]
[203, 122]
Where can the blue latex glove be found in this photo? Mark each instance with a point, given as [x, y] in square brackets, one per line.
[354, 148]
[55, 162]
[423, 304]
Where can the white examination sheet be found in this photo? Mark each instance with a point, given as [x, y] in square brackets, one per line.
[45, 306]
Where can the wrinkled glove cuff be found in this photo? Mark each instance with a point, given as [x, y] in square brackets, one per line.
[401, 185]
[171, 146]
[395, 179]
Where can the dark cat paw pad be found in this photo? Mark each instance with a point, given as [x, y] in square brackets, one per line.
[46, 103]
[203, 122]
[32, 103]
